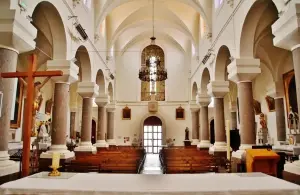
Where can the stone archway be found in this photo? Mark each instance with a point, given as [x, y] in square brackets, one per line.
[164, 128]
[194, 91]
[100, 82]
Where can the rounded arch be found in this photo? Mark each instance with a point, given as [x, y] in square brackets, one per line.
[194, 91]
[205, 79]
[222, 61]
[51, 30]
[84, 63]
[163, 126]
[110, 92]
[100, 81]
[262, 14]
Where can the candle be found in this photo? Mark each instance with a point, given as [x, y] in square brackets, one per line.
[228, 138]
[55, 159]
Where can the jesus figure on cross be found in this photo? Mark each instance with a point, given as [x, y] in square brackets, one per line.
[36, 100]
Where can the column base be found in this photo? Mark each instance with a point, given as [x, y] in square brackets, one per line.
[85, 147]
[241, 153]
[111, 142]
[293, 167]
[101, 144]
[204, 144]
[195, 142]
[8, 167]
[62, 149]
[218, 147]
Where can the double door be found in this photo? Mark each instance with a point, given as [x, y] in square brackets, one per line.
[152, 139]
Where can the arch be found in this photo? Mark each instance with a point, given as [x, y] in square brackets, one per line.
[262, 14]
[100, 81]
[84, 63]
[163, 126]
[50, 26]
[194, 91]
[110, 92]
[157, 87]
[222, 61]
[205, 79]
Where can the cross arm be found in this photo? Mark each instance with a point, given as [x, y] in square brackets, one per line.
[47, 73]
[14, 74]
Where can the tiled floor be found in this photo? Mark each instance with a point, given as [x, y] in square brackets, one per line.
[152, 165]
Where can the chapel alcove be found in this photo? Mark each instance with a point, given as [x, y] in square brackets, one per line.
[290, 91]
[212, 131]
[153, 52]
[152, 135]
[93, 135]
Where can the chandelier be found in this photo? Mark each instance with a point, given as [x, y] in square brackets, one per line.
[152, 70]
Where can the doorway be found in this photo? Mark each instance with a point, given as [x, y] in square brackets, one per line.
[93, 136]
[152, 135]
[212, 131]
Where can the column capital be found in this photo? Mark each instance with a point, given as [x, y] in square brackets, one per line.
[218, 88]
[69, 69]
[285, 29]
[87, 89]
[111, 108]
[275, 91]
[203, 100]
[102, 100]
[193, 106]
[245, 69]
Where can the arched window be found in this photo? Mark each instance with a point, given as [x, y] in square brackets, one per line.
[151, 54]
[218, 3]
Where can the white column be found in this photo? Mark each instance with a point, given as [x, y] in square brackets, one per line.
[195, 122]
[111, 108]
[61, 109]
[203, 101]
[87, 90]
[286, 31]
[101, 101]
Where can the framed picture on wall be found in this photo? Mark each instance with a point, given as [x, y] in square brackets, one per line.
[15, 122]
[271, 103]
[126, 113]
[290, 92]
[180, 115]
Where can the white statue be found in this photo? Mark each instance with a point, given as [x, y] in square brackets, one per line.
[43, 131]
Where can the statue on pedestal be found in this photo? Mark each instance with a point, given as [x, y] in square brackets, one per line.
[186, 134]
[262, 133]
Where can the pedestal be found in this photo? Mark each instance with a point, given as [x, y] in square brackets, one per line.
[86, 147]
[204, 144]
[195, 142]
[111, 142]
[101, 144]
[187, 143]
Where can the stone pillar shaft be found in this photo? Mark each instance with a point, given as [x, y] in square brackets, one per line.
[110, 125]
[220, 134]
[247, 118]
[296, 59]
[195, 125]
[8, 63]
[72, 124]
[60, 112]
[86, 126]
[101, 123]
[280, 119]
[204, 127]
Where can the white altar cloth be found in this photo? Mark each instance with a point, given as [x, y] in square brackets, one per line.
[129, 184]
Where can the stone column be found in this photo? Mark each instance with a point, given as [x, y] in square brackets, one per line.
[287, 35]
[195, 122]
[61, 114]
[242, 72]
[87, 90]
[247, 116]
[72, 124]
[111, 124]
[8, 63]
[218, 89]
[101, 101]
[280, 119]
[204, 101]
[233, 120]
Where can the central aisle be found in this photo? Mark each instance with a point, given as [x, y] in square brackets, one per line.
[152, 165]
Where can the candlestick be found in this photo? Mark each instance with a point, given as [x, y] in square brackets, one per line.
[55, 164]
[228, 138]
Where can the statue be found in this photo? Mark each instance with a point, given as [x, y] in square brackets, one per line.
[262, 121]
[262, 133]
[186, 133]
[293, 120]
[37, 101]
[43, 130]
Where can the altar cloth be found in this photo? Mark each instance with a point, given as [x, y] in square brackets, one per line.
[129, 184]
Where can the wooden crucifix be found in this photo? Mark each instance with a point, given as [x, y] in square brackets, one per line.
[32, 93]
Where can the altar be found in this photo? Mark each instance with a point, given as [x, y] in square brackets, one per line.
[129, 184]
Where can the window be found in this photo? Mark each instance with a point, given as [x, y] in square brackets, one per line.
[218, 3]
[152, 139]
[153, 69]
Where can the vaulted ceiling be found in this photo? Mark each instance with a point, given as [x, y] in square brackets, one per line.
[130, 21]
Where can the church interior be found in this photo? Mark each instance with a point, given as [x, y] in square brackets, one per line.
[149, 97]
